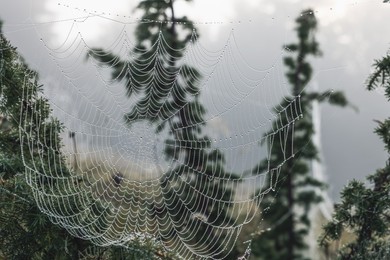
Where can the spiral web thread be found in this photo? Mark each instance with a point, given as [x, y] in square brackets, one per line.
[113, 171]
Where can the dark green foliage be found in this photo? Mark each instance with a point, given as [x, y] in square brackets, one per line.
[381, 75]
[172, 103]
[25, 232]
[294, 195]
[364, 210]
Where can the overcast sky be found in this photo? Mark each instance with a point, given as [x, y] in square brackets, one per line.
[351, 35]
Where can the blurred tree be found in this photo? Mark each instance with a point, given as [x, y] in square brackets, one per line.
[364, 209]
[295, 193]
[25, 232]
[168, 96]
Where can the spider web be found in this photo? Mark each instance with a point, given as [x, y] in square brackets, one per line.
[117, 169]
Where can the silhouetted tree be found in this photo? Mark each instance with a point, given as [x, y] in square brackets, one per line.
[168, 97]
[289, 204]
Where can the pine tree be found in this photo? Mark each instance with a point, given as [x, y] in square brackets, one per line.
[364, 209]
[170, 100]
[26, 232]
[294, 194]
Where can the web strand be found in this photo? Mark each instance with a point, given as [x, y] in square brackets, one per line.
[117, 185]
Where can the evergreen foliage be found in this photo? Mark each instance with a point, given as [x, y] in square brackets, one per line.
[26, 232]
[364, 209]
[175, 108]
[295, 193]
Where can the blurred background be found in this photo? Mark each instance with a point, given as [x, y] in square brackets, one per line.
[351, 34]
